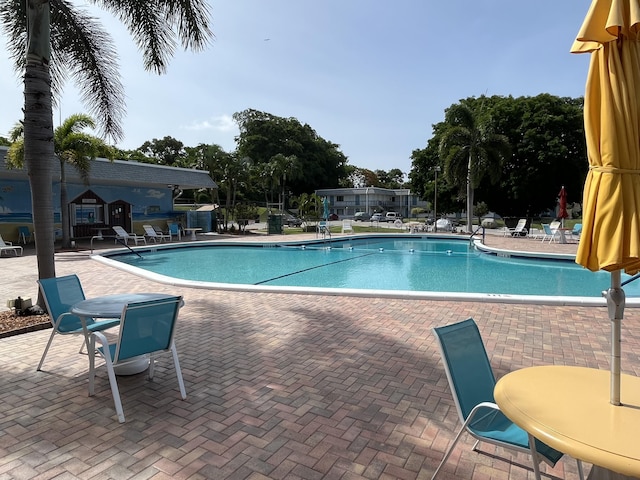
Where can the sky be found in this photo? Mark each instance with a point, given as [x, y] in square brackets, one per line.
[372, 76]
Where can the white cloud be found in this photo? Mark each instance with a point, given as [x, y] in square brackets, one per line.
[221, 123]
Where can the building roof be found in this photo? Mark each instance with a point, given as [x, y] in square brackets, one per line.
[120, 172]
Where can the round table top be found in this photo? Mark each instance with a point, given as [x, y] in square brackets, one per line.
[568, 408]
[111, 306]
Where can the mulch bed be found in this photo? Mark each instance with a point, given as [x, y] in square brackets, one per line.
[12, 324]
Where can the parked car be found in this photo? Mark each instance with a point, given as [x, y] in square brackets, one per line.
[333, 216]
[392, 217]
[361, 216]
[377, 217]
[291, 221]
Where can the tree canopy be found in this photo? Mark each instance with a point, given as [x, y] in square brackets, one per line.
[548, 150]
[263, 136]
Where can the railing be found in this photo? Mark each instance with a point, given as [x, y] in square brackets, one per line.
[480, 227]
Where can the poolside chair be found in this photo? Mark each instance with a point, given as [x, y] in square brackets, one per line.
[60, 294]
[147, 328]
[174, 229]
[575, 233]
[121, 234]
[9, 247]
[152, 234]
[520, 229]
[24, 235]
[472, 381]
[322, 229]
[347, 226]
[550, 231]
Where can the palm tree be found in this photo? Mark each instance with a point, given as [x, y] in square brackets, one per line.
[471, 150]
[52, 39]
[284, 167]
[77, 148]
[72, 146]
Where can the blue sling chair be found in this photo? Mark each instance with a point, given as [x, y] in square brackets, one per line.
[472, 381]
[147, 328]
[60, 294]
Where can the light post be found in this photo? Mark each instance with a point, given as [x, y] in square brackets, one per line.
[366, 194]
[436, 169]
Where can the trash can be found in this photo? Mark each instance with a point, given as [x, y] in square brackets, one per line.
[274, 224]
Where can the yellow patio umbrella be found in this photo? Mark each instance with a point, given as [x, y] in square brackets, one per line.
[610, 238]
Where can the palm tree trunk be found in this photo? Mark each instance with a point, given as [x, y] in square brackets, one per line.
[469, 198]
[64, 214]
[39, 153]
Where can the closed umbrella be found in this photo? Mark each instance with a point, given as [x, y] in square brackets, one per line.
[325, 208]
[562, 205]
[610, 238]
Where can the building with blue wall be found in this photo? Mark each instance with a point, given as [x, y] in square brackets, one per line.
[118, 192]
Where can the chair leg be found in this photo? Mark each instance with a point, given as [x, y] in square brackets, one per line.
[114, 389]
[176, 363]
[448, 453]
[112, 375]
[92, 364]
[46, 349]
[534, 457]
[580, 471]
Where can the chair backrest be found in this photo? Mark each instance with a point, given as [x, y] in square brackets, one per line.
[120, 231]
[577, 229]
[466, 364]
[2, 242]
[554, 226]
[60, 293]
[158, 230]
[174, 229]
[522, 223]
[148, 229]
[147, 327]
[547, 229]
[24, 231]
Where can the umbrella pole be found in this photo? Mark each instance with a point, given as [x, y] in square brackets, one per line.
[615, 302]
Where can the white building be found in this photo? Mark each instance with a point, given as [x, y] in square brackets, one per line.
[345, 202]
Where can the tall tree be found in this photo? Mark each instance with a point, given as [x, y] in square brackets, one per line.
[166, 151]
[471, 150]
[263, 136]
[546, 134]
[285, 168]
[51, 39]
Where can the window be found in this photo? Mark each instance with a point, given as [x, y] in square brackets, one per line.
[340, 198]
[83, 214]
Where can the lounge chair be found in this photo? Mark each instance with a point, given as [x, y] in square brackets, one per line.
[9, 247]
[520, 229]
[121, 234]
[146, 328]
[60, 294]
[152, 234]
[472, 381]
[347, 227]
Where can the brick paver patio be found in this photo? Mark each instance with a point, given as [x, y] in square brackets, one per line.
[279, 386]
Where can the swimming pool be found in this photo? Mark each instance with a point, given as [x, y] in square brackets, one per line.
[379, 266]
[387, 266]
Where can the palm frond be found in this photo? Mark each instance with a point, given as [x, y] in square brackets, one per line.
[83, 48]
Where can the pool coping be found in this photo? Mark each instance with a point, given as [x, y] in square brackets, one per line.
[390, 294]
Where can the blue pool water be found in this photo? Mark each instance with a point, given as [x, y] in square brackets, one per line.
[416, 264]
